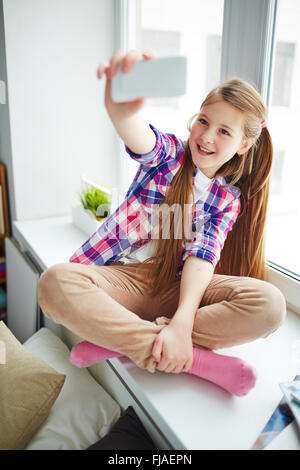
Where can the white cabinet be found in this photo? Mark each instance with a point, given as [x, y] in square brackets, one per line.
[22, 281]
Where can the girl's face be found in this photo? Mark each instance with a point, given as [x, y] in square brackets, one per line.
[216, 136]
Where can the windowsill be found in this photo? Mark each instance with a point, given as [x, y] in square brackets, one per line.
[196, 414]
[50, 241]
[192, 413]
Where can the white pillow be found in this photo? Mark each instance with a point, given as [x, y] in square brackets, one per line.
[83, 412]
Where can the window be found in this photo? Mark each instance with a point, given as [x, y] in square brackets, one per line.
[277, 170]
[213, 60]
[164, 43]
[283, 73]
[170, 28]
[176, 31]
[283, 226]
[225, 39]
[2, 92]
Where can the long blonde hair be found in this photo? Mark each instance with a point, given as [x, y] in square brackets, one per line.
[243, 253]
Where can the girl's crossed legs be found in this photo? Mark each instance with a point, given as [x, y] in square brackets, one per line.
[110, 307]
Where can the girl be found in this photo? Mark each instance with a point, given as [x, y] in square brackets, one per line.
[167, 303]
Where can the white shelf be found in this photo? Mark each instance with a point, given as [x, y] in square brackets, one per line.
[50, 241]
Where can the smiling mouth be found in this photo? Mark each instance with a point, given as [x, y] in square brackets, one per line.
[203, 151]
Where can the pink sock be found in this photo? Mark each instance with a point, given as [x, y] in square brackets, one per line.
[85, 354]
[230, 373]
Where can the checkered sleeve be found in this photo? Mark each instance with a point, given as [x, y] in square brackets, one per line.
[166, 147]
[209, 239]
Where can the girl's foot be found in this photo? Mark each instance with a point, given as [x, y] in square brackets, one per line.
[85, 354]
[231, 373]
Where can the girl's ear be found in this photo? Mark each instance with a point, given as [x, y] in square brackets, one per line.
[245, 146]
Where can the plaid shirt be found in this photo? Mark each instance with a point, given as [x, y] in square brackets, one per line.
[128, 228]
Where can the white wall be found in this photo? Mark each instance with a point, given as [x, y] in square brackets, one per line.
[59, 127]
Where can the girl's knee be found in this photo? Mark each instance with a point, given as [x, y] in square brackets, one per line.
[263, 303]
[273, 306]
[51, 276]
[50, 281]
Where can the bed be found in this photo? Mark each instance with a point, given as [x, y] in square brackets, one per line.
[46, 403]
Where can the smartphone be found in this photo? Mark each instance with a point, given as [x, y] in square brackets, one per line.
[155, 78]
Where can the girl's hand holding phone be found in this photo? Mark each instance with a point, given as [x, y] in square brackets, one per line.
[124, 63]
[129, 124]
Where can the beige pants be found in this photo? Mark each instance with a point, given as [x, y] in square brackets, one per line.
[109, 306]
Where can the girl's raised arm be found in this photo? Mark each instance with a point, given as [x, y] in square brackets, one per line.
[131, 127]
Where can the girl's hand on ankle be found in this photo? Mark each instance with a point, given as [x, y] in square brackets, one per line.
[173, 350]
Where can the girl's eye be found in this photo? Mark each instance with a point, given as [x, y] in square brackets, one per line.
[202, 120]
[224, 132]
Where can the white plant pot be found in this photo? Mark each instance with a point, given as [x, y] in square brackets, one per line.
[85, 220]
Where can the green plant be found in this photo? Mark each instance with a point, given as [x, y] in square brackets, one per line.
[96, 201]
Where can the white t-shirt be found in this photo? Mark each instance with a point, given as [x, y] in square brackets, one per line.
[201, 185]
